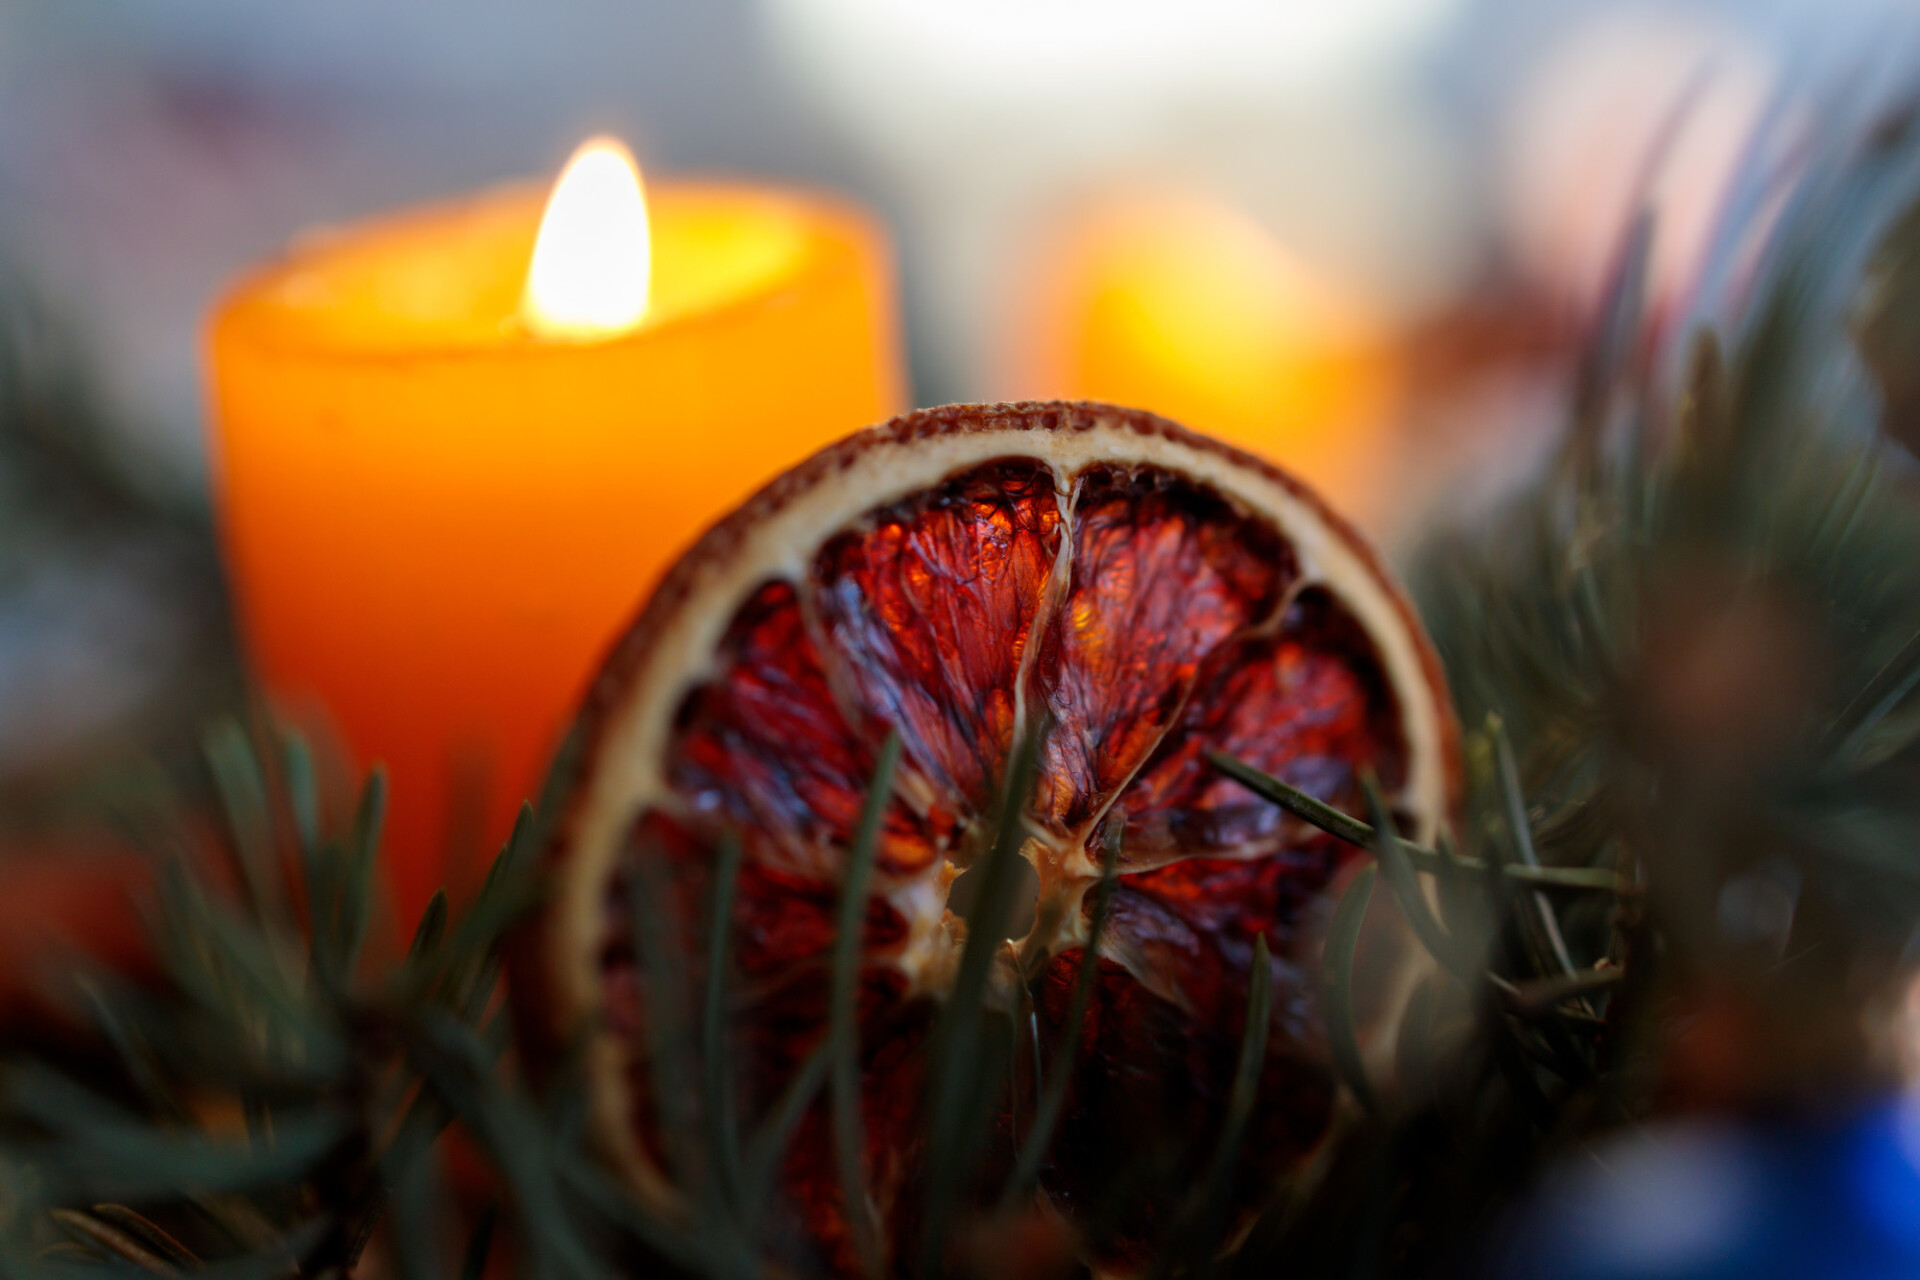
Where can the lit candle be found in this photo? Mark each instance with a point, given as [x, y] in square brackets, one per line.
[1187, 307]
[450, 463]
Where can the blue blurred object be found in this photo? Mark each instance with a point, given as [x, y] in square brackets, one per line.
[1838, 1200]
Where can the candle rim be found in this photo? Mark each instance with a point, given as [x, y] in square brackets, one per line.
[830, 230]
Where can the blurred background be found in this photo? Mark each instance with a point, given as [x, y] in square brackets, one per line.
[1367, 169]
[1364, 238]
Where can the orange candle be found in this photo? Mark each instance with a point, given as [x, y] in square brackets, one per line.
[1189, 308]
[444, 485]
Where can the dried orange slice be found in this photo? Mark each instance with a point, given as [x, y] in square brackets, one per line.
[1137, 593]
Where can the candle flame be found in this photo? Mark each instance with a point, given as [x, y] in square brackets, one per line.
[593, 259]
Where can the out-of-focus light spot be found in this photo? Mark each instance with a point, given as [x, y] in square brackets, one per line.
[1037, 48]
[1667, 1203]
[592, 267]
[1884, 1171]
[1757, 909]
[1190, 308]
[1652, 107]
[1904, 1026]
[1675, 1200]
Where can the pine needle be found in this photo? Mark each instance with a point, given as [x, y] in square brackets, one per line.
[843, 1030]
[723, 1135]
[1343, 1038]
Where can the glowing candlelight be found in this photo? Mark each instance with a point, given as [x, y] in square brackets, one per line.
[592, 269]
[1189, 307]
[450, 462]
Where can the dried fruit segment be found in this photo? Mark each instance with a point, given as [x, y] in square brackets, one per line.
[1148, 1066]
[1305, 700]
[782, 928]
[929, 608]
[1136, 595]
[892, 1072]
[1163, 571]
[763, 747]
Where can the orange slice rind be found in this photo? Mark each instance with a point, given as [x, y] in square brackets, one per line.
[1133, 592]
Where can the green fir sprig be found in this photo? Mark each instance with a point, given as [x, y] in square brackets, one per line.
[1687, 657]
[279, 1095]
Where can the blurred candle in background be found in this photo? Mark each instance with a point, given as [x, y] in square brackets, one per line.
[1188, 307]
[443, 487]
[981, 119]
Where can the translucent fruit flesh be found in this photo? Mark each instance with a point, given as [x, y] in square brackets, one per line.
[1142, 618]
